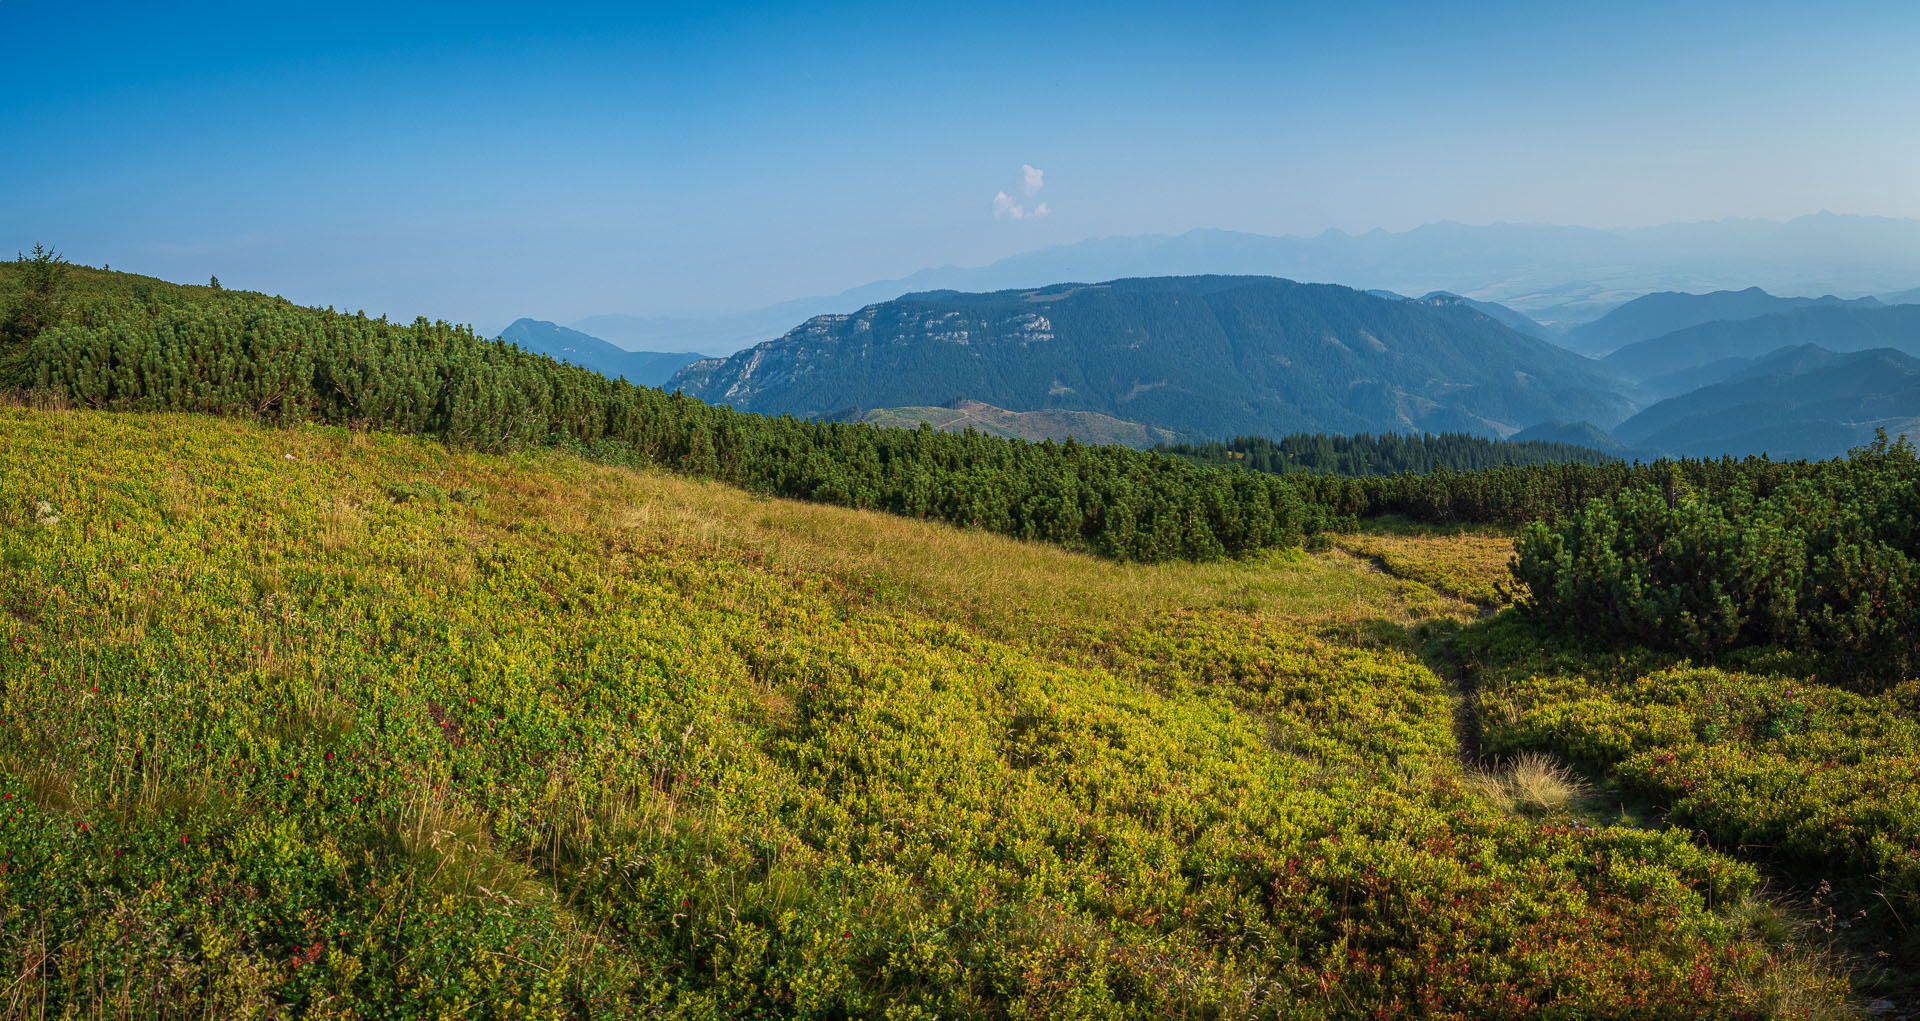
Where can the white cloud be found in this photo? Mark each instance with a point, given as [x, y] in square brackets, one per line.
[1032, 179]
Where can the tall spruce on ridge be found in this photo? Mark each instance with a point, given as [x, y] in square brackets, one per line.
[36, 304]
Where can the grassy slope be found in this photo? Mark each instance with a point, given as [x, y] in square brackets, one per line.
[280, 725]
[1464, 563]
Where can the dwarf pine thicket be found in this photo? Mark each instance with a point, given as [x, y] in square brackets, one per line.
[298, 714]
[1388, 454]
[1827, 563]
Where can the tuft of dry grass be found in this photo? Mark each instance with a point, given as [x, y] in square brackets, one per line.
[1800, 985]
[1531, 785]
[453, 853]
[1769, 922]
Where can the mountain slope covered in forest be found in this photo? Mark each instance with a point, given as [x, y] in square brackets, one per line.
[1803, 402]
[1211, 356]
[1519, 322]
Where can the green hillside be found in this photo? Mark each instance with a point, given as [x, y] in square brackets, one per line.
[559, 707]
[1202, 356]
[1053, 424]
[112, 343]
[337, 724]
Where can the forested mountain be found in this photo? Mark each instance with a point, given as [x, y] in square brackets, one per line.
[647, 368]
[1209, 356]
[1707, 353]
[1049, 424]
[1583, 434]
[1656, 315]
[1799, 402]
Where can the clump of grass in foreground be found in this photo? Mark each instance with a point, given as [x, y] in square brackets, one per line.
[1533, 785]
[273, 742]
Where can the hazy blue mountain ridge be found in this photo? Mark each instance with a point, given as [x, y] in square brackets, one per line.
[1581, 434]
[1657, 315]
[1706, 352]
[1802, 401]
[1560, 276]
[647, 368]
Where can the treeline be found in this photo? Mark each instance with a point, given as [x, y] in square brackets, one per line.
[1385, 454]
[1454, 478]
[227, 353]
[1517, 495]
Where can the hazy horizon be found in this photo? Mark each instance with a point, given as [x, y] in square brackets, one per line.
[482, 163]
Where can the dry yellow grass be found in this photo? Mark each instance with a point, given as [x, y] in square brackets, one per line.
[1007, 589]
[1470, 565]
[1532, 785]
[999, 585]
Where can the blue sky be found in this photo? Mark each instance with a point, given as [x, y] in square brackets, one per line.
[483, 162]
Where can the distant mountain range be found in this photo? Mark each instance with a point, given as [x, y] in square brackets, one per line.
[1583, 434]
[1133, 361]
[1147, 360]
[1709, 352]
[1798, 402]
[1656, 315]
[1559, 276]
[1204, 356]
[647, 368]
